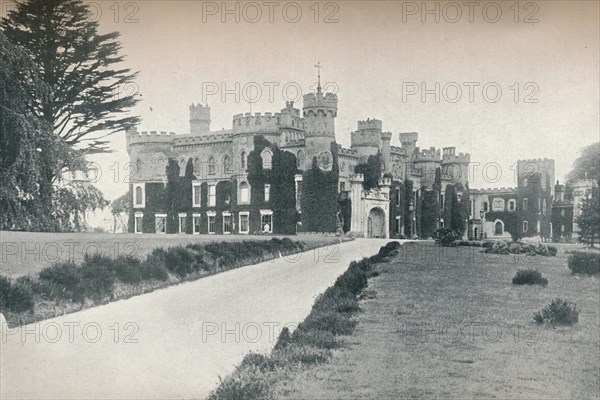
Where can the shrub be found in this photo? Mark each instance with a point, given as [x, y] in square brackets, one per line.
[15, 297]
[154, 269]
[62, 281]
[529, 277]
[244, 384]
[519, 247]
[300, 354]
[127, 269]
[446, 237]
[584, 263]
[558, 312]
[97, 278]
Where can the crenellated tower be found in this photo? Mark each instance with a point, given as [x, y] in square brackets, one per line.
[320, 111]
[366, 139]
[199, 119]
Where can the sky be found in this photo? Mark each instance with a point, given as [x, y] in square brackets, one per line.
[500, 80]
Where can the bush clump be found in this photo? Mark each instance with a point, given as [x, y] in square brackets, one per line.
[14, 297]
[529, 277]
[518, 247]
[446, 237]
[558, 312]
[584, 263]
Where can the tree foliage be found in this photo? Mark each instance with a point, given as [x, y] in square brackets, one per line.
[79, 65]
[589, 219]
[371, 171]
[586, 166]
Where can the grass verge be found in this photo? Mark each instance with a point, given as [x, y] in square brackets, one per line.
[311, 343]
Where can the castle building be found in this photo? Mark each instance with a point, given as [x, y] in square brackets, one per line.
[231, 181]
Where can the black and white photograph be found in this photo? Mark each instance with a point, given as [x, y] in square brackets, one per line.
[299, 200]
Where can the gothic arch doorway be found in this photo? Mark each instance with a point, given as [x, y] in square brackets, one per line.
[376, 223]
[498, 228]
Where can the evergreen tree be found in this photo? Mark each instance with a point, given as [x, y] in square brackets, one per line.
[589, 219]
[79, 65]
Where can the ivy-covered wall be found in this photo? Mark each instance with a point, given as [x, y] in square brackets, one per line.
[397, 209]
[320, 196]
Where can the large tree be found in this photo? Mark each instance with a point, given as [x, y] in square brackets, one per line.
[79, 65]
[586, 166]
[589, 219]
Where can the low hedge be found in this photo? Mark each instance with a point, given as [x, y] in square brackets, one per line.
[313, 339]
[529, 277]
[584, 263]
[95, 278]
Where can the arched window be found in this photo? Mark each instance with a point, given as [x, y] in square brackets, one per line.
[244, 192]
[525, 226]
[211, 165]
[161, 165]
[243, 160]
[226, 164]
[139, 195]
[498, 228]
[138, 165]
[267, 158]
[182, 166]
[300, 159]
[197, 166]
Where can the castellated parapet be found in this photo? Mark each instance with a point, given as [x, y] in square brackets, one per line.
[409, 137]
[199, 119]
[428, 155]
[370, 124]
[320, 111]
[132, 136]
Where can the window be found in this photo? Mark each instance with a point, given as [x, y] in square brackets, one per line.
[525, 226]
[138, 167]
[459, 197]
[266, 221]
[267, 158]
[196, 220]
[182, 167]
[138, 222]
[485, 206]
[197, 166]
[196, 191]
[226, 164]
[182, 220]
[160, 222]
[243, 160]
[442, 200]
[267, 192]
[211, 166]
[511, 205]
[211, 223]
[139, 196]
[244, 193]
[227, 223]
[525, 201]
[544, 207]
[398, 225]
[212, 195]
[342, 166]
[342, 186]
[244, 222]
[300, 159]
[397, 197]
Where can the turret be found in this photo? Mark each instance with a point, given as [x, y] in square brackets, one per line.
[320, 111]
[559, 192]
[199, 119]
[409, 142]
[386, 151]
[366, 139]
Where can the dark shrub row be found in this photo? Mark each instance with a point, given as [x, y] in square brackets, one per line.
[529, 277]
[95, 277]
[312, 340]
[584, 263]
[446, 237]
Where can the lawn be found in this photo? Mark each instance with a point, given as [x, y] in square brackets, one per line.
[23, 253]
[452, 325]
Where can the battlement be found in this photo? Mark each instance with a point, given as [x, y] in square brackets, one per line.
[364, 138]
[385, 182]
[502, 190]
[132, 136]
[258, 122]
[387, 136]
[369, 124]
[210, 138]
[199, 111]
[342, 151]
[358, 178]
[318, 100]
[409, 137]
[397, 150]
[460, 158]
[428, 155]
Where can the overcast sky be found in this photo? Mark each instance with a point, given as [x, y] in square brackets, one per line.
[376, 55]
